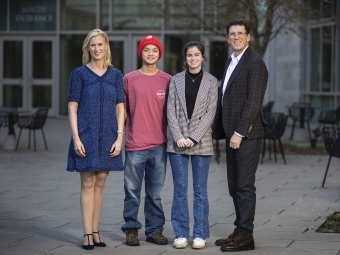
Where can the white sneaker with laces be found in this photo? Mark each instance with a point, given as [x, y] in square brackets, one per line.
[198, 243]
[180, 243]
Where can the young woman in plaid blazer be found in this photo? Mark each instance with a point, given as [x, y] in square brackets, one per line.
[191, 109]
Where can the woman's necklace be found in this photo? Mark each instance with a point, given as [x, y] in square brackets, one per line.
[193, 79]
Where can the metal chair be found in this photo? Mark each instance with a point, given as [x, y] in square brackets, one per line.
[302, 112]
[331, 117]
[33, 122]
[277, 122]
[267, 107]
[331, 138]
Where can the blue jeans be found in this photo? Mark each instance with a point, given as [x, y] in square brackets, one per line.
[152, 162]
[180, 211]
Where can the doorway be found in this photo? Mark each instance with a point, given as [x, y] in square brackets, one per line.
[28, 72]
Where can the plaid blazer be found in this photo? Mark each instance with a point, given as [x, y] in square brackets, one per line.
[243, 97]
[201, 119]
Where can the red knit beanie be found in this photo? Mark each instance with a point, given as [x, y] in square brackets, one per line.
[149, 39]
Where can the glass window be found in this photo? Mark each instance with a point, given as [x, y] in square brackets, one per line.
[70, 58]
[327, 58]
[32, 15]
[328, 8]
[42, 96]
[182, 17]
[12, 59]
[78, 14]
[104, 14]
[173, 52]
[321, 103]
[219, 53]
[315, 55]
[130, 14]
[12, 95]
[3, 15]
[117, 54]
[42, 59]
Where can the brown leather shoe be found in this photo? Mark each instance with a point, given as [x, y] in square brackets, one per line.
[223, 241]
[239, 243]
[157, 238]
[132, 237]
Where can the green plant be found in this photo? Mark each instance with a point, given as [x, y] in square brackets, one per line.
[331, 225]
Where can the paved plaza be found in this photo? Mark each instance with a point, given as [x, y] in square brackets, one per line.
[40, 212]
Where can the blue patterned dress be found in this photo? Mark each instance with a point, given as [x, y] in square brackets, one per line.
[97, 97]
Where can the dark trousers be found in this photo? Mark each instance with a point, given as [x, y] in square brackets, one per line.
[241, 168]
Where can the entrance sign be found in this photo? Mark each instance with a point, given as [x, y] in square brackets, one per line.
[32, 15]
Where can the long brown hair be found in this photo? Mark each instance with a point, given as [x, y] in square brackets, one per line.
[199, 46]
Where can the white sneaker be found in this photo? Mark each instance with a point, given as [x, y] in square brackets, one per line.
[198, 243]
[180, 243]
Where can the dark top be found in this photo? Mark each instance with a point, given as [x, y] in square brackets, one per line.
[192, 85]
[97, 97]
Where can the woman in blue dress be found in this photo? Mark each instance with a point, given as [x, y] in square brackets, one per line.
[96, 115]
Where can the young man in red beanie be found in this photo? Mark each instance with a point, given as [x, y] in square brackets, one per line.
[146, 92]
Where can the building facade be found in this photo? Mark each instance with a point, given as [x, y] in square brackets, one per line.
[41, 41]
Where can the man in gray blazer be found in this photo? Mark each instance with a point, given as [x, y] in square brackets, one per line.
[242, 90]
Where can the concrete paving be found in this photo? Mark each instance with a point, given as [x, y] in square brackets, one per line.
[40, 212]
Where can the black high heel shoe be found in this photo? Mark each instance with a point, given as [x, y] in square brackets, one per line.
[100, 243]
[88, 246]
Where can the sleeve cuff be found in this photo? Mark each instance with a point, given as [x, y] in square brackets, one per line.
[242, 136]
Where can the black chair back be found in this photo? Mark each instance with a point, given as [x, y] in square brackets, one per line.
[268, 107]
[331, 138]
[331, 117]
[277, 122]
[35, 121]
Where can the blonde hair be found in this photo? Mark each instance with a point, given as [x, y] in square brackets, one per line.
[86, 54]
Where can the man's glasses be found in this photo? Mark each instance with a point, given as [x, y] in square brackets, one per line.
[239, 34]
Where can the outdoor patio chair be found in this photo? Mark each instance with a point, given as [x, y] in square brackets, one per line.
[302, 112]
[267, 107]
[331, 138]
[33, 122]
[277, 122]
[331, 117]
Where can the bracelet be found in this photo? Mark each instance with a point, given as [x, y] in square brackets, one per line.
[120, 131]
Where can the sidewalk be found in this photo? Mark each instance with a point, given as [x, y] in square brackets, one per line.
[40, 212]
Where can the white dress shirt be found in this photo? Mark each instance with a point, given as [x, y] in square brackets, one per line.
[231, 67]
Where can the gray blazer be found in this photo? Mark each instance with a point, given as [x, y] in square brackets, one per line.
[201, 119]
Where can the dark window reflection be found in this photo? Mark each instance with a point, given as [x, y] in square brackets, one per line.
[326, 59]
[12, 95]
[42, 59]
[41, 96]
[218, 56]
[117, 54]
[70, 58]
[12, 60]
[315, 55]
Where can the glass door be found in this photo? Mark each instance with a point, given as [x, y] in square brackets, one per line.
[27, 73]
[12, 71]
[119, 53]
